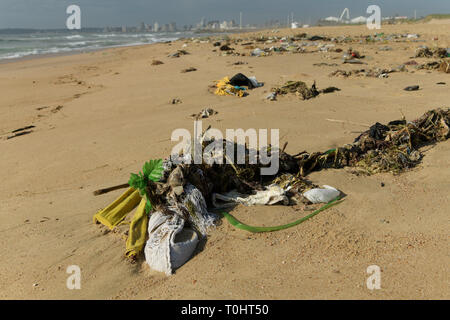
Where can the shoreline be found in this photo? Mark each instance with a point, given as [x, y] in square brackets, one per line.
[73, 53]
[83, 51]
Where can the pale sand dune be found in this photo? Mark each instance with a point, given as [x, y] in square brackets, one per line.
[439, 21]
[116, 115]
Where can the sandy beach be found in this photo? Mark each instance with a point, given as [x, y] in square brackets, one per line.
[100, 115]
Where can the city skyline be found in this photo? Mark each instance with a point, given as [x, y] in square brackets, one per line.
[50, 14]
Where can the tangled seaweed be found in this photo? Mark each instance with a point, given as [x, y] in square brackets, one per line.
[300, 89]
[383, 148]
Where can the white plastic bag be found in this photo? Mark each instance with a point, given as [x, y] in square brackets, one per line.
[170, 244]
[324, 195]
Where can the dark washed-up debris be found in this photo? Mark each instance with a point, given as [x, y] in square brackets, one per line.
[191, 69]
[425, 52]
[178, 54]
[205, 113]
[392, 148]
[226, 48]
[240, 80]
[23, 129]
[445, 66]
[300, 89]
[22, 133]
[329, 90]
[412, 88]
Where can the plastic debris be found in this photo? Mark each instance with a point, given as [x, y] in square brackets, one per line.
[190, 69]
[205, 113]
[272, 195]
[272, 96]
[300, 89]
[170, 244]
[237, 85]
[258, 53]
[324, 195]
[412, 88]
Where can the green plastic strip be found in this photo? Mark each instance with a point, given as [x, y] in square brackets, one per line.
[237, 224]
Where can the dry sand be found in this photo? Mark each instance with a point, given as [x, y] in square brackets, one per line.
[115, 114]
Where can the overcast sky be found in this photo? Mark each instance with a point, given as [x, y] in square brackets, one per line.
[100, 13]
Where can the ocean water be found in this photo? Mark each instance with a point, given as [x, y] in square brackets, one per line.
[18, 45]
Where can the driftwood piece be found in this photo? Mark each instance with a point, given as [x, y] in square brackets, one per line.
[106, 190]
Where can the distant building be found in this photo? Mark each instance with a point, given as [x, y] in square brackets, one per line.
[172, 27]
[332, 19]
[359, 19]
[224, 25]
[156, 27]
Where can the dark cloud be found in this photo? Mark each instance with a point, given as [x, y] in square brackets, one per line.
[98, 13]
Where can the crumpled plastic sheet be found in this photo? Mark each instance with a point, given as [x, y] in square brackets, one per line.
[170, 243]
[272, 195]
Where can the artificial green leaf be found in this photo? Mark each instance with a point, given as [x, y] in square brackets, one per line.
[134, 180]
[148, 206]
[153, 170]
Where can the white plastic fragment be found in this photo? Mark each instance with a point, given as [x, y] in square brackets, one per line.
[324, 195]
[272, 96]
[272, 195]
[255, 82]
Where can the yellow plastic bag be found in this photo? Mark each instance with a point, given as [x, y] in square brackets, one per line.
[224, 88]
[138, 231]
[113, 214]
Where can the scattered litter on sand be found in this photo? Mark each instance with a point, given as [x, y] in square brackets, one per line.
[445, 66]
[157, 62]
[412, 88]
[300, 89]
[178, 54]
[190, 69]
[237, 85]
[324, 195]
[272, 194]
[425, 52]
[238, 63]
[21, 132]
[205, 113]
[172, 200]
[373, 73]
[226, 48]
[272, 96]
[321, 64]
